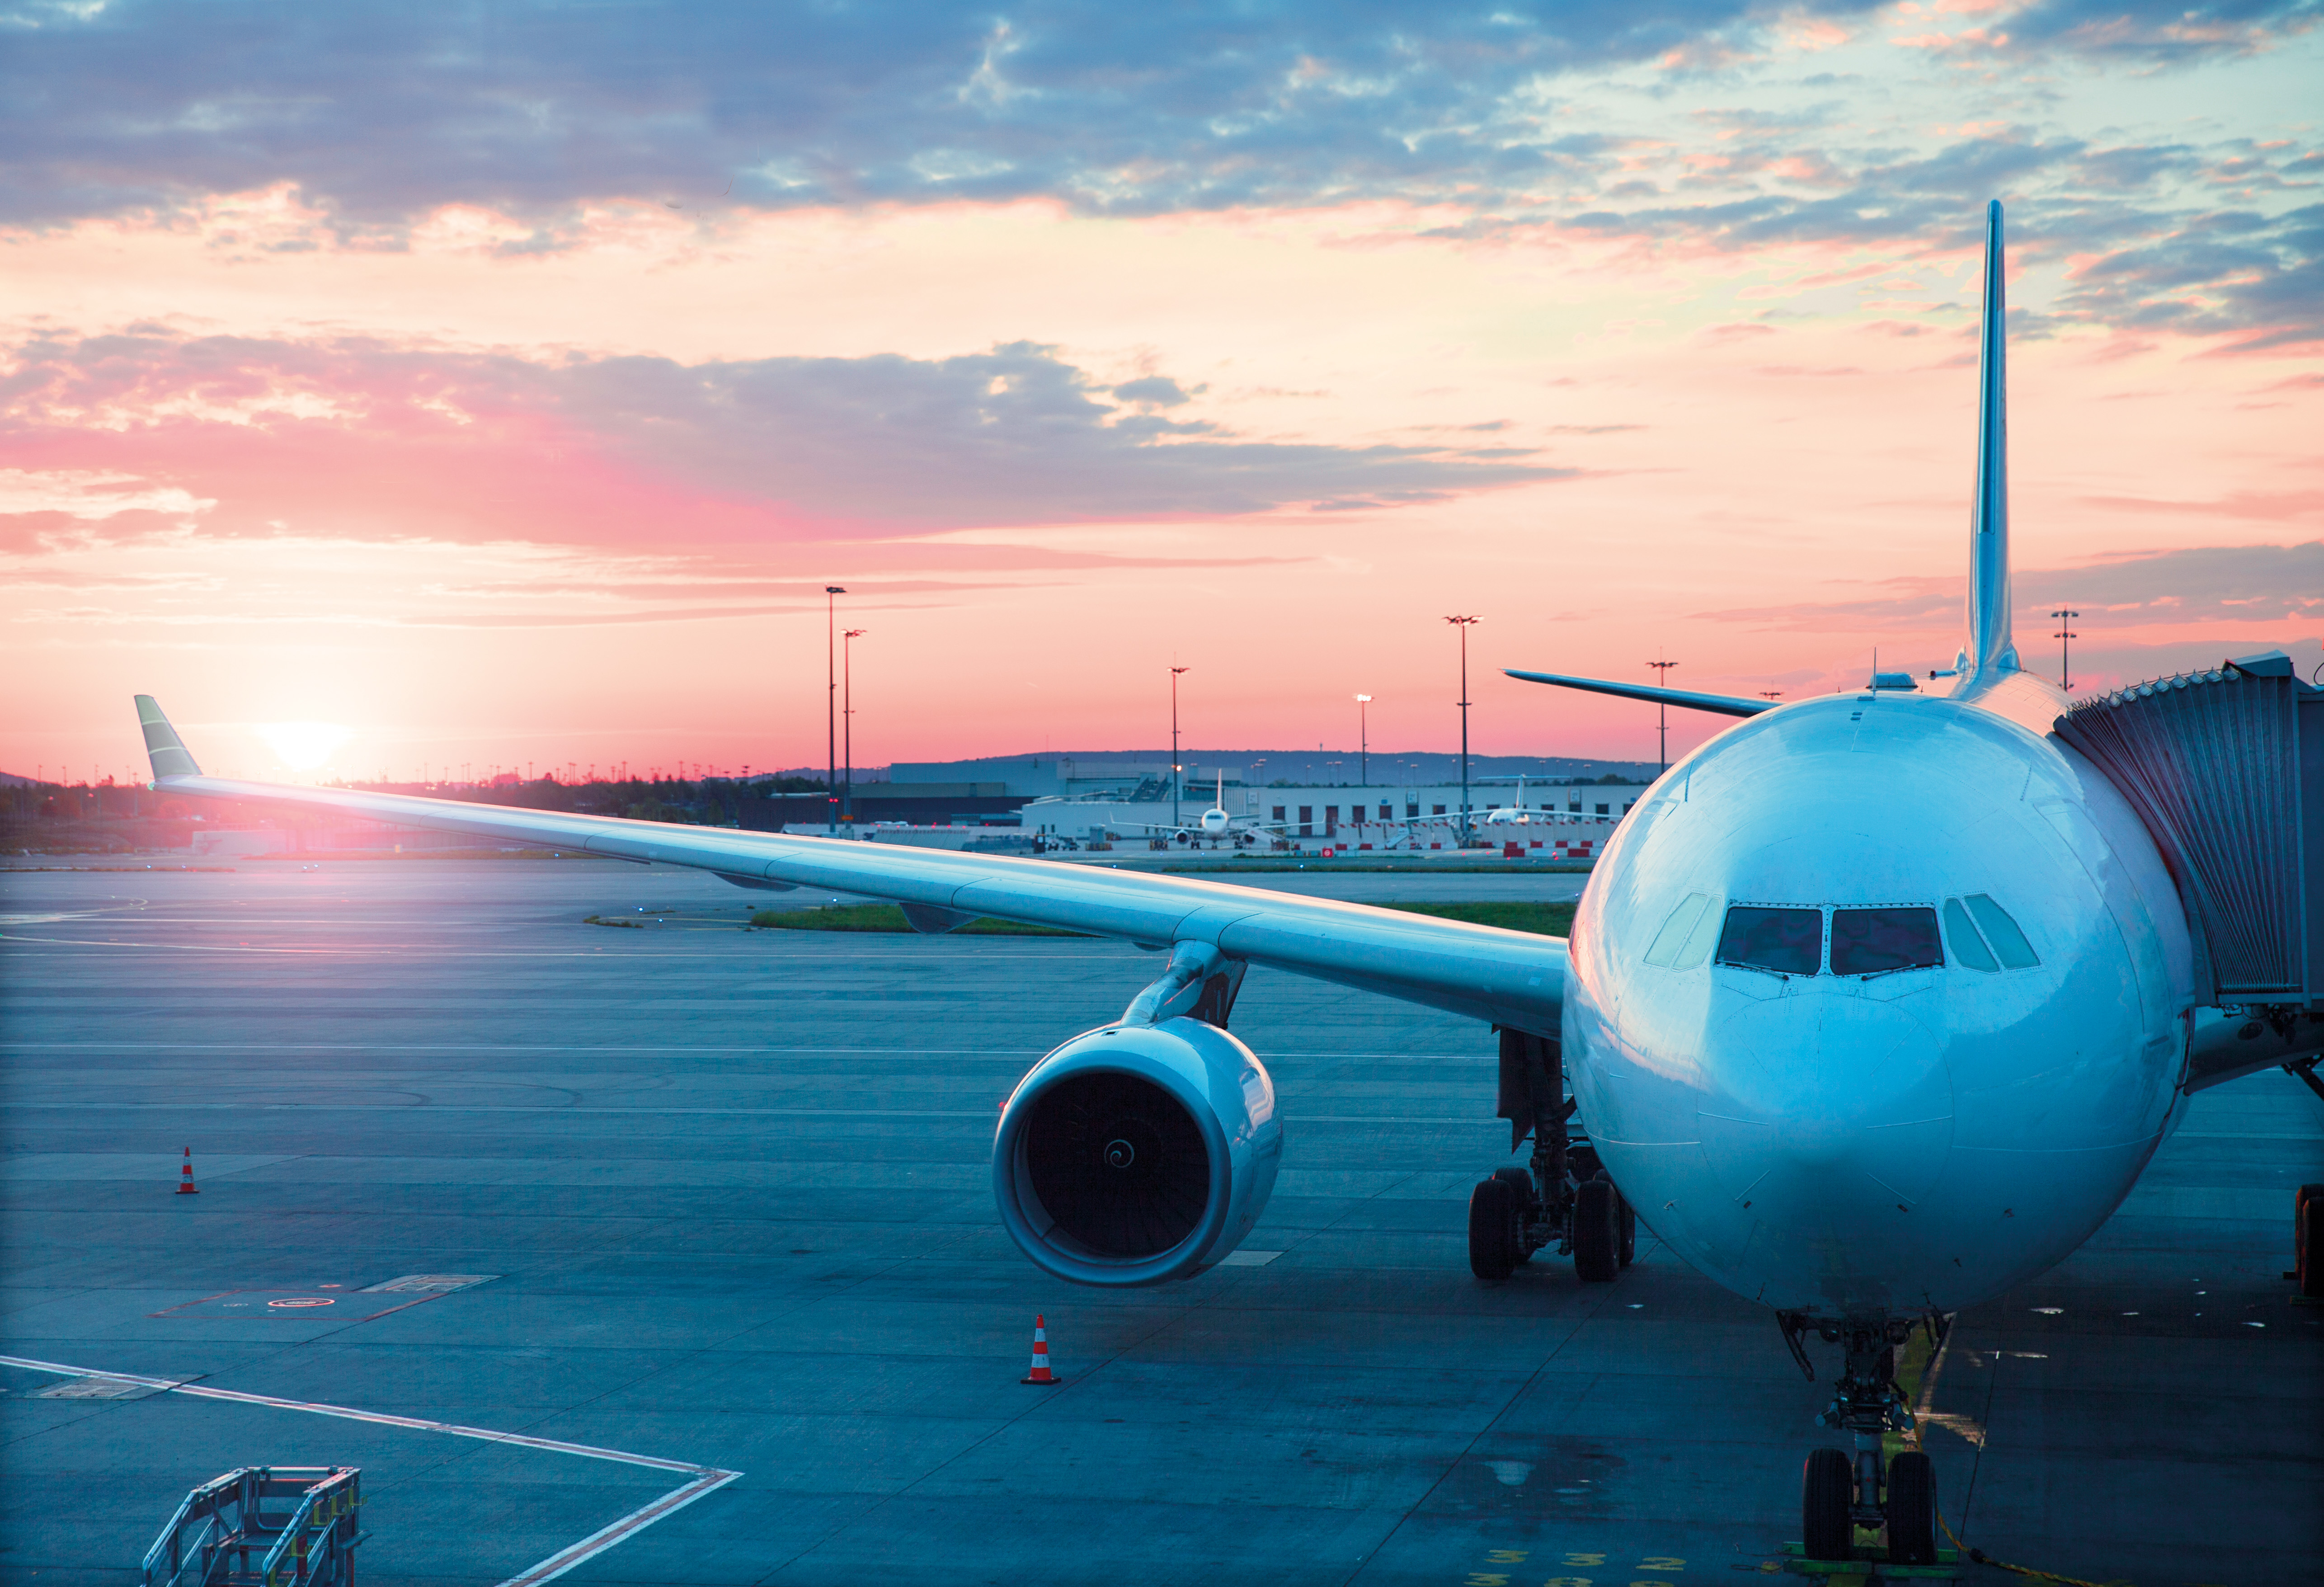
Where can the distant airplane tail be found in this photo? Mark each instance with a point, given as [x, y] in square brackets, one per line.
[1988, 649]
[163, 747]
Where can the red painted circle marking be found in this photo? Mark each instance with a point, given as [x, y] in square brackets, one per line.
[315, 1300]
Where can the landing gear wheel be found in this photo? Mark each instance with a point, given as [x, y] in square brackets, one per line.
[1597, 1230]
[1629, 1231]
[1492, 1229]
[2308, 1242]
[1912, 1509]
[1522, 1203]
[1827, 1488]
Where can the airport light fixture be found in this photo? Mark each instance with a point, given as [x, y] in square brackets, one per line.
[1661, 712]
[1771, 694]
[1364, 741]
[831, 594]
[847, 721]
[2065, 639]
[1464, 625]
[1175, 671]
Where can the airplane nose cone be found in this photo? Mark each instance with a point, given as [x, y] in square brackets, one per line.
[1835, 1117]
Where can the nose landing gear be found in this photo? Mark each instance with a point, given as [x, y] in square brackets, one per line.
[1564, 1197]
[1838, 1495]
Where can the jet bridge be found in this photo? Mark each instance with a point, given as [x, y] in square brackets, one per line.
[2226, 770]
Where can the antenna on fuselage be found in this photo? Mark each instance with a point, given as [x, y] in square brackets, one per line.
[1988, 648]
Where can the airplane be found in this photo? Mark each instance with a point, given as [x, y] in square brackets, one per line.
[1215, 822]
[1876, 1005]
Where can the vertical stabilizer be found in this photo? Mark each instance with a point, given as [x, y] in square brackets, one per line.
[1988, 649]
[167, 751]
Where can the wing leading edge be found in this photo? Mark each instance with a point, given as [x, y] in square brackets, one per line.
[1506, 977]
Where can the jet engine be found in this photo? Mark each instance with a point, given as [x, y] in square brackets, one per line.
[1138, 1153]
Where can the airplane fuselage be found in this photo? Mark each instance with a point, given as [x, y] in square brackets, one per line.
[1896, 1138]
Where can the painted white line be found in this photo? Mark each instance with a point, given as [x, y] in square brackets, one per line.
[707, 1478]
[637, 1520]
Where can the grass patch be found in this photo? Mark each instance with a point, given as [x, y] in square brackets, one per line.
[612, 921]
[1542, 919]
[886, 917]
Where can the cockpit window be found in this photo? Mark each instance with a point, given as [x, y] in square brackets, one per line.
[1789, 942]
[2009, 944]
[1672, 938]
[1969, 947]
[1871, 942]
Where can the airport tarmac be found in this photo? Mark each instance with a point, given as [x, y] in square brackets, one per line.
[724, 1195]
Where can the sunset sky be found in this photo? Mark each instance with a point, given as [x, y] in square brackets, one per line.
[503, 385]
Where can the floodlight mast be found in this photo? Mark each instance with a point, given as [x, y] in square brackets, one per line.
[1463, 624]
[1364, 741]
[831, 594]
[2065, 638]
[1662, 714]
[847, 719]
[1175, 671]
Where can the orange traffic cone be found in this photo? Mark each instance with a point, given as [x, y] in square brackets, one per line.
[1040, 1372]
[186, 1186]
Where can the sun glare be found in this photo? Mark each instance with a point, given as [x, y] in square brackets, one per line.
[304, 746]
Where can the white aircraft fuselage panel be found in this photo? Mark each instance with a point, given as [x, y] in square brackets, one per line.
[1924, 1137]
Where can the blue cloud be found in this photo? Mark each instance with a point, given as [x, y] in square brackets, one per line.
[383, 111]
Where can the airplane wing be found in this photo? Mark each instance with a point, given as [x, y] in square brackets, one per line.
[1725, 704]
[1511, 978]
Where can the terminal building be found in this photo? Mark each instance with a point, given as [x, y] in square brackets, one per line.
[1273, 799]
[1545, 815]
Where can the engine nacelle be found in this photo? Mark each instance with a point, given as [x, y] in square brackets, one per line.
[1138, 1153]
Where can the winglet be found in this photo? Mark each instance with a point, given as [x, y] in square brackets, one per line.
[167, 751]
[1988, 649]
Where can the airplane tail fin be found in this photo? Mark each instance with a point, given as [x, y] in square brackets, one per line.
[163, 747]
[1988, 649]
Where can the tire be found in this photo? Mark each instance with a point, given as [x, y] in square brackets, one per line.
[1492, 1218]
[2308, 1242]
[1827, 1488]
[1912, 1509]
[1597, 1232]
[1629, 1232]
[1522, 1205]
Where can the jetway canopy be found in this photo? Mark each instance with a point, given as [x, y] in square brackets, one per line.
[2227, 769]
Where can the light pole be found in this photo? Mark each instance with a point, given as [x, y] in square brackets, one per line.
[1771, 694]
[2065, 648]
[831, 594]
[1661, 712]
[1464, 625]
[847, 718]
[1364, 741]
[1175, 671]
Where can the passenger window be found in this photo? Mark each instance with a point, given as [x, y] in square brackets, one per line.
[1673, 933]
[1871, 942]
[1969, 947]
[2009, 944]
[1789, 942]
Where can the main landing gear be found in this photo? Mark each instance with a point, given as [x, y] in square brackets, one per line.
[1837, 1493]
[1564, 1198]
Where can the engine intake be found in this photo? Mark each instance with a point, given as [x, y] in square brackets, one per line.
[1138, 1153]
